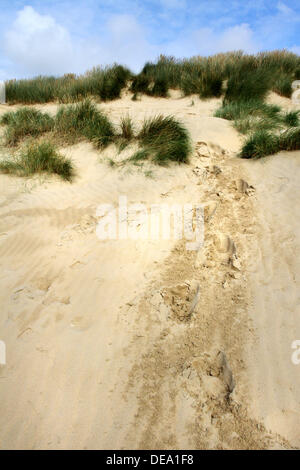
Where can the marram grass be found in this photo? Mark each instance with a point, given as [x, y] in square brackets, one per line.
[166, 139]
[38, 158]
[25, 122]
[260, 144]
[248, 77]
[104, 83]
[84, 120]
[263, 143]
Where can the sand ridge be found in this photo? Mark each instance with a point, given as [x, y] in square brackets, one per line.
[133, 343]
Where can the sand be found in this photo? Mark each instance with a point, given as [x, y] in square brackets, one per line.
[274, 278]
[129, 344]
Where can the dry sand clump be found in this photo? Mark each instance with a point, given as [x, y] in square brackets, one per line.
[142, 344]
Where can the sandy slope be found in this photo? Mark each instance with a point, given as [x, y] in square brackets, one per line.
[275, 276]
[102, 349]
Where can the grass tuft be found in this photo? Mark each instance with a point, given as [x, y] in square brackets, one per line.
[139, 155]
[25, 122]
[262, 143]
[244, 109]
[127, 128]
[259, 145]
[165, 139]
[108, 83]
[290, 139]
[84, 120]
[39, 158]
[255, 123]
[291, 119]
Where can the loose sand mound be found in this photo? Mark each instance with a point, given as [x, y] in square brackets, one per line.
[143, 344]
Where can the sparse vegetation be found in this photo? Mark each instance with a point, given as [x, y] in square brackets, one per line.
[262, 143]
[38, 158]
[242, 109]
[243, 80]
[249, 81]
[25, 122]
[253, 124]
[252, 115]
[84, 120]
[139, 155]
[162, 138]
[149, 174]
[72, 122]
[266, 127]
[111, 162]
[127, 128]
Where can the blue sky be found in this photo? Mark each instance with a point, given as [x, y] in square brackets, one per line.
[55, 37]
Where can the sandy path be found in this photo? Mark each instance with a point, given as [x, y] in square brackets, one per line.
[102, 349]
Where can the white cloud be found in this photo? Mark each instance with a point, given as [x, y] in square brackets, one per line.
[284, 9]
[233, 38]
[37, 44]
[126, 42]
[278, 29]
[207, 41]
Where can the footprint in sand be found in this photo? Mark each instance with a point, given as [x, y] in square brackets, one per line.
[243, 187]
[226, 372]
[182, 299]
[80, 323]
[202, 149]
[210, 208]
[225, 244]
[208, 380]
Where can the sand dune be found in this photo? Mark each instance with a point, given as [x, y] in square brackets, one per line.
[274, 278]
[121, 344]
